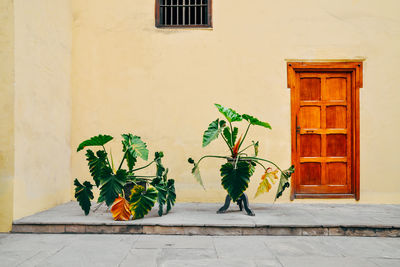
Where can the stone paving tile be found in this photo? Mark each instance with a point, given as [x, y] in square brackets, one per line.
[171, 241]
[238, 248]
[210, 263]
[142, 258]
[301, 246]
[92, 250]
[27, 250]
[325, 262]
[140, 250]
[386, 262]
[185, 254]
[366, 247]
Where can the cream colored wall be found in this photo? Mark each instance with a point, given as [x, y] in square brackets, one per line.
[6, 113]
[42, 105]
[128, 76]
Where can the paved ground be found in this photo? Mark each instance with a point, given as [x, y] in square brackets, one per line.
[175, 251]
[204, 214]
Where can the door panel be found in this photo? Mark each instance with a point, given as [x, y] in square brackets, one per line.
[311, 89]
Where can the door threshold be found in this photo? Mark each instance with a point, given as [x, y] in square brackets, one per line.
[327, 196]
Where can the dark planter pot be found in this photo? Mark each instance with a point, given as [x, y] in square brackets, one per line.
[129, 186]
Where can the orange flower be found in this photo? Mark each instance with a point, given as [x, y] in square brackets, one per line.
[235, 149]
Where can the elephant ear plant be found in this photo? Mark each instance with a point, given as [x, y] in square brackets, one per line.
[240, 165]
[146, 190]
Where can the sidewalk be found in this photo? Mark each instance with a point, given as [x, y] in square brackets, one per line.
[176, 251]
[201, 219]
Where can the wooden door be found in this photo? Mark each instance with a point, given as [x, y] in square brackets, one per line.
[323, 138]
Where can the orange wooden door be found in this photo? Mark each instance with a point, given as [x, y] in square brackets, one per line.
[323, 133]
[325, 129]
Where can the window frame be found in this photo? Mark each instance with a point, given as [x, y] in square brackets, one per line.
[159, 25]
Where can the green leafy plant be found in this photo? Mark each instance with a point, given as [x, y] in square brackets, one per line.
[146, 191]
[240, 165]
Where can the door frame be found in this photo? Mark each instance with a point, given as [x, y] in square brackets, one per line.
[355, 69]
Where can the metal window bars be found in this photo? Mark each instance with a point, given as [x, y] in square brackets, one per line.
[183, 13]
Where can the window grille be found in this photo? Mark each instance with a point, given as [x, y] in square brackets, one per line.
[183, 13]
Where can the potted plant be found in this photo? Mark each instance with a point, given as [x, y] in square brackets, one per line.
[122, 188]
[240, 166]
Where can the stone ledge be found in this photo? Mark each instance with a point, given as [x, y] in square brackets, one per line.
[206, 230]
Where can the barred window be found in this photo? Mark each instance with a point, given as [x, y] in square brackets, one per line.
[183, 13]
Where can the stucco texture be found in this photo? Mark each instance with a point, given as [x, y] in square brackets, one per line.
[6, 113]
[161, 84]
[42, 105]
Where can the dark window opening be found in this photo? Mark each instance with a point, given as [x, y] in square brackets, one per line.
[183, 13]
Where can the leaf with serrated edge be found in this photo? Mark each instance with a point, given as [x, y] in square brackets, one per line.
[196, 174]
[120, 209]
[171, 196]
[229, 113]
[254, 121]
[135, 146]
[235, 180]
[83, 194]
[99, 140]
[211, 133]
[111, 187]
[284, 181]
[142, 201]
[265, 184]
[97, 164]
[231, 138]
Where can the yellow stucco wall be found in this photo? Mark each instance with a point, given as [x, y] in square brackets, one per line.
[128, 76]
[6, 113]
[161, 84]
[42, 105]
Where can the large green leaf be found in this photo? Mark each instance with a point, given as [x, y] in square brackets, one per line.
[159, 184]
[99, 140]
[111, 186]
[171, 196]
[166, 194]
[135, 146]
[229, 113]
[231, 138]
[142, 201]
[83, 193]
[97, 164]
[236, 179]
[212, 132]
[284, 181]
[130, 160]
[254, 121]
[160, 169]
[196, 174]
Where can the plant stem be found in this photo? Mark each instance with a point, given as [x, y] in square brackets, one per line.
[260, 164]
[245, 134]
[230, 125]
[107, 156]
[245, 148]
[226, 141]
[211, 156]
[123, 159]
[255, 158]
[144, 166]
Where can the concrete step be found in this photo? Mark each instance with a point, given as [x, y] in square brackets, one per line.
[201, 219]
